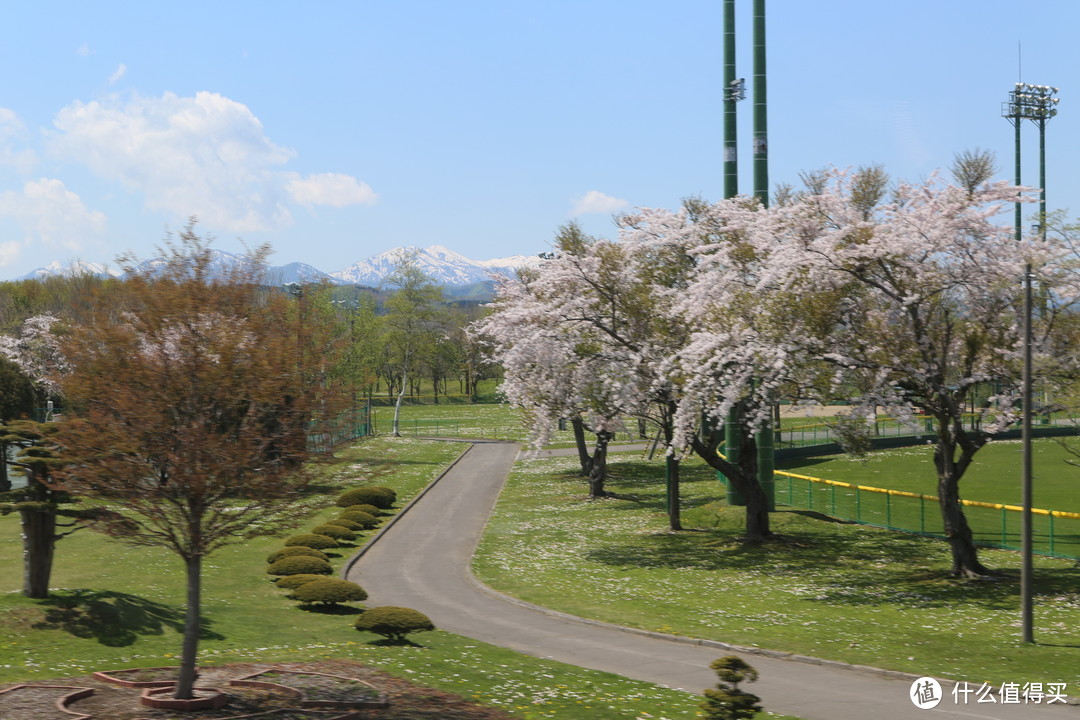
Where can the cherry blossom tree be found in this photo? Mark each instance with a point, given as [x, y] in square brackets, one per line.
[719, 356]
[612, 331]
[920, 297]
[36, 350]
[555, 364]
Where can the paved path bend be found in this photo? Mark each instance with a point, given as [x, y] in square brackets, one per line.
[423, 561]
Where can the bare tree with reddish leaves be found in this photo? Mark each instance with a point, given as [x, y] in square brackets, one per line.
[188, 413]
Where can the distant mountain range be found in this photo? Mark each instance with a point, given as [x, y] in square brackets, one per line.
[442, 265]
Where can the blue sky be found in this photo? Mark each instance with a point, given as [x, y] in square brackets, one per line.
[337, 130]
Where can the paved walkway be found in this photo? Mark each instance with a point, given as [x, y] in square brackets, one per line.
[423, 561]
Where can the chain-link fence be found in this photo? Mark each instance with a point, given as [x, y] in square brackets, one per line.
[349, 425]
[1054, 533]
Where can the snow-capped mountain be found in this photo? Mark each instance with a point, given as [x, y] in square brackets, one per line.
[441, 264]
[297, 272]
[72, 269]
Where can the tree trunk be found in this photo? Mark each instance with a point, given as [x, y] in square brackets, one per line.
[185, 683]
[674, 466]
[397, 406]
[39, 544]
[5, 481]
[744, 477]
[582, 450]
[965, 556]
[598, 471]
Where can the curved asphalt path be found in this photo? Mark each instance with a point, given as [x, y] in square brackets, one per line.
[422, 560]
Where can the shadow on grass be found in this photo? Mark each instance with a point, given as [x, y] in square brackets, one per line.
[112, 618]
[395, 642]
[835, 565]
[330, 609]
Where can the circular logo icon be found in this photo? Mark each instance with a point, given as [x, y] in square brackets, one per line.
[925, 693]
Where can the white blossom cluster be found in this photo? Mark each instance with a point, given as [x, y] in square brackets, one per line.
[36, 351]
[692, 312]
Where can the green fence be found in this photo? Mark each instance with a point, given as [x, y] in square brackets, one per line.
[347, 426]
[884, 427]
[422, 400]
[1054, 533]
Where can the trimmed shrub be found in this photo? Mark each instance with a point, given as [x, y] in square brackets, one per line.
[293, 551]
[298, 564]
[363, 519]
[338, 532]
[393, 623]
[311, 540]
[345, 523]
[329, 591]
[369, 509]
[380, 497]
[727, 701]
[291, 582]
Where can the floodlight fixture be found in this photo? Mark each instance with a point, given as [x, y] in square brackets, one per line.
[737, 90]
[1031, 102]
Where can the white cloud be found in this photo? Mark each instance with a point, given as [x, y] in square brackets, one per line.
[205, 155]
[83, 50]
[49, 213]
[595, 201]
[12, 133]
[120, 71]
[9, 252]
[333, 189]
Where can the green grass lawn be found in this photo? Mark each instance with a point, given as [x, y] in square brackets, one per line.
[498, 421]
[121, 606]
[833, 590]
[994, 475]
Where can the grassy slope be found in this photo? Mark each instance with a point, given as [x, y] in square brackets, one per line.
[832, 590]
[123, 608]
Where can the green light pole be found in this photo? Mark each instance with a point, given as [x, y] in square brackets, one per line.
[766, 459]
[734, 91]
[1038, 104]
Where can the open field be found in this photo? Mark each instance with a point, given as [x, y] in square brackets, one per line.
[994, 475]
[828, 589]
[122, 606]
[993, 478]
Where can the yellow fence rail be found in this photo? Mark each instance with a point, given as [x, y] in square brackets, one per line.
[1056, 533]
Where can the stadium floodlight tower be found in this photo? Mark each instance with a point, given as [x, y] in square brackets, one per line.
[1037, 103]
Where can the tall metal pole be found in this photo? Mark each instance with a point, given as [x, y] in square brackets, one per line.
[761, 143]
[1036, 103]
[733, 92]
[1027, 605]
[731, 156]
[1027, 615]
[766, 459]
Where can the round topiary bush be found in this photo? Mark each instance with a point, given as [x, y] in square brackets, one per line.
[329, 591]
[311, 540]
[393, 623]
[363, 519]
[380, 497]
[387, 492]
[364, 507]
[345, 523]
[298, 564]
[338, 532]
[291, 582]
[295, 550]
